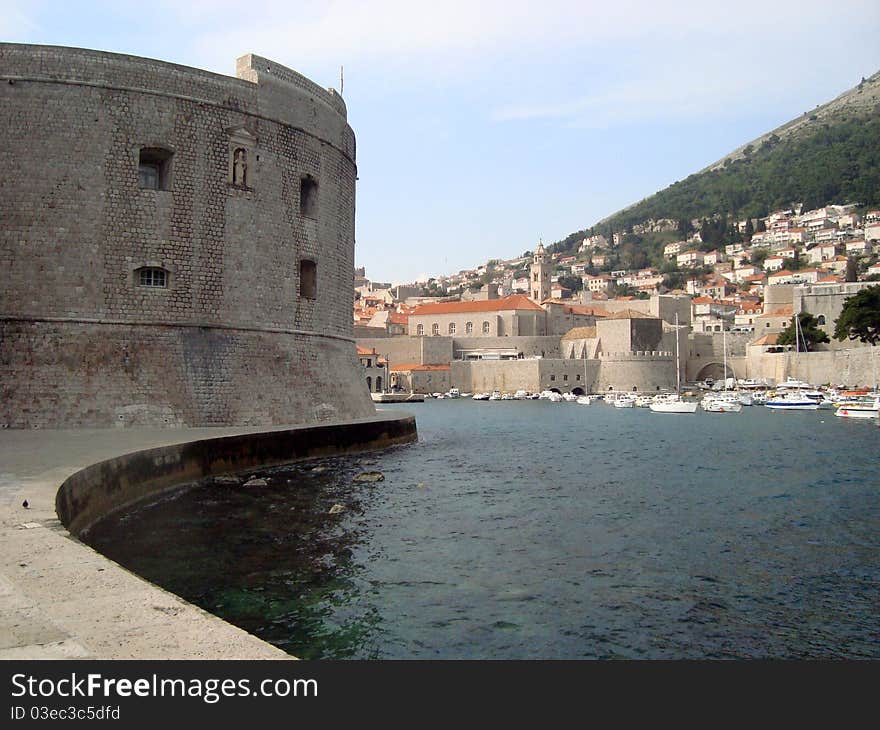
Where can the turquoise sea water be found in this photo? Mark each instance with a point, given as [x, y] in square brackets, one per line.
[537, 530]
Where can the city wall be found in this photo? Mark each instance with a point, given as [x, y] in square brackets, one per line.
[635, 372]
[508, 376]
[237, 333]
[411, 350]
[856, 367]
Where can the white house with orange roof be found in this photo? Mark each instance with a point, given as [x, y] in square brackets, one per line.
[774, 263]
[747, 313]
[873, 269]
[754, 284]
[740, 273]
[837, 265]
[734, 249]
[710, 258]
[758, 239]
[859, 247]
[599, 283]
[802, 276]
[794, 235]
[822, 252]
[692, 258]
[671, 250]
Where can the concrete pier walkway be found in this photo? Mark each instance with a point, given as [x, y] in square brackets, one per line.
[61, 599]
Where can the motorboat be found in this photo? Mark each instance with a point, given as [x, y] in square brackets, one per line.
[624, 400]
[720, 405]
[803, 390]
[792, 400]
[863, 407]
[453, 393]
[672, 403]
[480, 396]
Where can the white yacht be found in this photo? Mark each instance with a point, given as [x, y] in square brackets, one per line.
[711, 404]
[859, 407]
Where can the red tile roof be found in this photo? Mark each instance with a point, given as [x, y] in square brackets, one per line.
[513, 302]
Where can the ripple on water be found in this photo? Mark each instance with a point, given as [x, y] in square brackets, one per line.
[541, 531]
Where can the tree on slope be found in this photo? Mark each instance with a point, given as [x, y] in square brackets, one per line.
[860, 318]
[807, 330]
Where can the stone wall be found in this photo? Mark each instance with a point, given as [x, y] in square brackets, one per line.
[528, 346]
[636, 372]
[233, 337]
[508, 376]
[630, 335]
[858, 367]
[825, 302]
[411, 350]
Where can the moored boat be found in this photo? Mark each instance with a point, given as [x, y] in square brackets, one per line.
[859, 408]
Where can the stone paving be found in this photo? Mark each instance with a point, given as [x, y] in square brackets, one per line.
[59, 599]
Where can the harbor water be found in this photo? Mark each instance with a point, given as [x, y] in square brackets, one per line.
[526, 530]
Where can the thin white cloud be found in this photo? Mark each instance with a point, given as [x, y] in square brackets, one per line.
[423, 31]
[661, 97]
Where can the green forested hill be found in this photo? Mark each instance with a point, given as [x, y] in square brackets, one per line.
[829, 156]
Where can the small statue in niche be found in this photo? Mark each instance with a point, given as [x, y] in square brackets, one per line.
[239, 167]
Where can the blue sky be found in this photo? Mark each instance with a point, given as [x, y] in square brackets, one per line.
[483, 126]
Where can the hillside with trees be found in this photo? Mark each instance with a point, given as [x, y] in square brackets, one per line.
[829, 156]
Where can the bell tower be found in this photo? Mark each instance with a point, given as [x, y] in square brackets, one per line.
[540, 275]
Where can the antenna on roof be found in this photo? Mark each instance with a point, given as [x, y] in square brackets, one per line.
[341, 80]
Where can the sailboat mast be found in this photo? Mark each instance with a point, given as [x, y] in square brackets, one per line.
[677, 364]
[724, 347]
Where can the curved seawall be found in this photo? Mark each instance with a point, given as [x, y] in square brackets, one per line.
[61, 599]
[98, 490]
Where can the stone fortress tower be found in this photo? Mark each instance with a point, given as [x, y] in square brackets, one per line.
[539, 275]
[177, 245]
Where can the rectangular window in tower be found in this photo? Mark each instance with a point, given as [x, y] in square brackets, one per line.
[154, 168]
[308, 279]
[308, 197]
